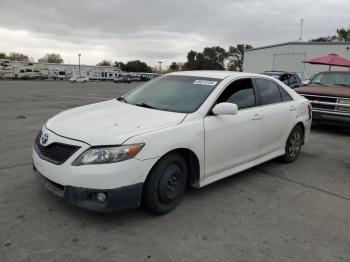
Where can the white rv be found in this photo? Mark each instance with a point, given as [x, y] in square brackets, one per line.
[22, 70]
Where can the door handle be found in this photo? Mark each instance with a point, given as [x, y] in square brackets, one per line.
[292, 108]
[257, 117]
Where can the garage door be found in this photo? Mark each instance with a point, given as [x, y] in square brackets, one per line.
[292, 62]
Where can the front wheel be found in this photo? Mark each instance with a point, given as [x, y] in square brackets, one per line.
[165, 185]
[293, 145]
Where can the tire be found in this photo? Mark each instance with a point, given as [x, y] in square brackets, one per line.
[165, 185]
[293, 145]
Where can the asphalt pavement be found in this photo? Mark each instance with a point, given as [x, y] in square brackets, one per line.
[273, 212]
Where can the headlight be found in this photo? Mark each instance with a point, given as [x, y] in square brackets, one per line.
[344, 102]
[106, 155]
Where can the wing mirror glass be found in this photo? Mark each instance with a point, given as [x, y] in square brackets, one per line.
[225, 109]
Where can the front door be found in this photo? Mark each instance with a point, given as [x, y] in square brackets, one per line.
[231, 140]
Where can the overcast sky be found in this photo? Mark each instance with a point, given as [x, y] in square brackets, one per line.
[158, 30]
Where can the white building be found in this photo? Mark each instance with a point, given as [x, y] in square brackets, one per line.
[290, 57]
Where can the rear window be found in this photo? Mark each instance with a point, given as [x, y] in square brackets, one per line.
[284, 94]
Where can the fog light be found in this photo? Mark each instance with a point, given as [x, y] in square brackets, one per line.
[102, 197]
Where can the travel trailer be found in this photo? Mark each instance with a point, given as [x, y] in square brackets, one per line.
[22, 70]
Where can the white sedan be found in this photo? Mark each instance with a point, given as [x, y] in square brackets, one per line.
[79, 79]
[185, 128]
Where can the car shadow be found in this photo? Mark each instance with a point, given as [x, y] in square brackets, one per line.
[135, 216]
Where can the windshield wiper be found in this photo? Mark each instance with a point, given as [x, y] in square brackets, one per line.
[122, 99]
[143, 104]
[319, 83]
[341, 85]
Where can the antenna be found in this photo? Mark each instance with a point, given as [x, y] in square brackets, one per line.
[301, 29]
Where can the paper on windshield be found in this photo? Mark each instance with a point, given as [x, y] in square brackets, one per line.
[205, 82]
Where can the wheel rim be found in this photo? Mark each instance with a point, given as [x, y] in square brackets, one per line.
[171, 183]
[294, 144]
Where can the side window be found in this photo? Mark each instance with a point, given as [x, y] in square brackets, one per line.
[240, 92]
[284, 94]
[268, 92]
[293, 80]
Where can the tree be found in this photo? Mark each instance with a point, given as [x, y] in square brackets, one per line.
[174, 67]
[51, 58]
[121, 65]
[212, 58]
[105, 63]
[134, 66]
[17, 57]
[2, 55]
[236, 57]
[191, 60]
[324, 39]
[343, 35]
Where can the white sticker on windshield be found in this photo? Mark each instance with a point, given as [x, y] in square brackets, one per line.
[205, 82]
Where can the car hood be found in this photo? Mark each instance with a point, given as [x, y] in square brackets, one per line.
[110, 122]
[325, 91]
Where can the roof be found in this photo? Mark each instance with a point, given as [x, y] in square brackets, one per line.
[277, 72]
[299, 43]
[335, 71]
[211, 73]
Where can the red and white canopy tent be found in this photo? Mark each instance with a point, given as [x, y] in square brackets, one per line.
[331, 60]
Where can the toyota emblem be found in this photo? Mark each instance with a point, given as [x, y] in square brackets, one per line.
[44, 138]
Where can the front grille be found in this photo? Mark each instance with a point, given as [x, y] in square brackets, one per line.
[322, 102]
[56, 153]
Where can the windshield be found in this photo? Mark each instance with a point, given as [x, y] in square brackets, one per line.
[331, 79]
[175, 93]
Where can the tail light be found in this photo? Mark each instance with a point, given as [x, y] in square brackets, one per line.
[309, 107]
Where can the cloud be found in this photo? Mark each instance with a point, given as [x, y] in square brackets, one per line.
[156, 30]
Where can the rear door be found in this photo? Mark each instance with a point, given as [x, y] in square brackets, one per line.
[231, 140]
[279, 112]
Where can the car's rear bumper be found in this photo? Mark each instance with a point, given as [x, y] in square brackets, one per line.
[117, 199]
[330, 117]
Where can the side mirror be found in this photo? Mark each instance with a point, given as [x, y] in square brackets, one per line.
[225, 109]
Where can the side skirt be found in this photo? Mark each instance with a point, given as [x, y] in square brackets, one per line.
[240, 168]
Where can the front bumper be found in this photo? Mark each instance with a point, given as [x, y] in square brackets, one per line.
[330, 117]
[117, 199]
[78, 185]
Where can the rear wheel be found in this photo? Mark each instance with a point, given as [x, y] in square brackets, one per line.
[165, 185]
[293, 145]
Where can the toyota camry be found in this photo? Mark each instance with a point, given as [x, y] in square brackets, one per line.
[181, 129]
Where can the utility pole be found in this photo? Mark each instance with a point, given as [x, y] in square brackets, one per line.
[301, 29]
[79, 55]
[160, 66]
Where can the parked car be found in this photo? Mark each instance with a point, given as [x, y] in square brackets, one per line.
[127, 78]
[184, 128]
[290, 79]
[329, 93]
[307, 80]
[122, 79]
[79, 79]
